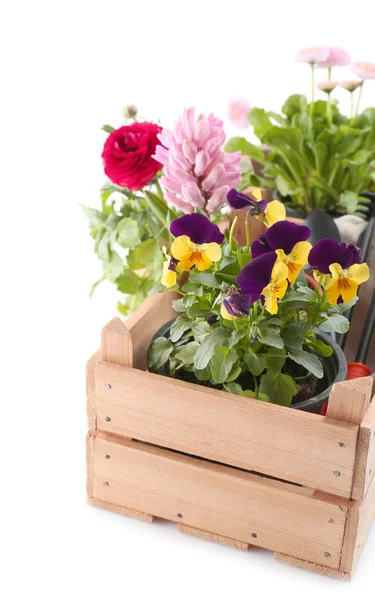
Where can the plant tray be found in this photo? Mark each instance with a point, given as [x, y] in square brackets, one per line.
[227, 468]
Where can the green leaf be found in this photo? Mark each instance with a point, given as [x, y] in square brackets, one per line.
[294, 104]
[186, 353]
[181, 324]
[202, 374]
[236, 336]
[321, 348]
[179, 305]
[233, 388]
[235, 372]
[107, 128]
[159, 353]
[216, 338]
[270, 337]
[222, 363]
[260, 121]
[279, 388]
[275, 359]
[128, 282]
[342, 308]
[337, 323]
[256, 364]
[148, 253]
[256, 395]
[309, 361]
[128, 235]
[199, 308]
[113, 266]
[207, 279]
[200, 330]
[349, 201]
[240, 144]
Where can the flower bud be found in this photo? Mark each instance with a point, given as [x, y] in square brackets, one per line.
[130, 111]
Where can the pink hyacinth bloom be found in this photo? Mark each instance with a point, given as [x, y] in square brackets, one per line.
[312, 55]
[237, 112]
[365, 70]
[337, 57]
[197, 172]
[327, 86]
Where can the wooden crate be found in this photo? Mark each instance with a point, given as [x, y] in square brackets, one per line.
[227, 468]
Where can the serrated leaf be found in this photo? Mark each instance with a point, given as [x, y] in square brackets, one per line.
[216, 338]
[207, 279]
[270, 337]
[309, 361]
[275, 359]
[128, 282]
[256, 364]
[222, 363]
[186, 353]
[181, 324]
[159, 352]
[128, 235]
[200, 330]
[279, 388]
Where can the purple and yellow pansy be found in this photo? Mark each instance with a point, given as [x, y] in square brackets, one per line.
[267, 212]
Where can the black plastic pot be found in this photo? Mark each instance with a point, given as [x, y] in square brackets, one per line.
[335, 370]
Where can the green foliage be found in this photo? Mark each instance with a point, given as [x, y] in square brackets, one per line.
[316, 161]
[159, 352]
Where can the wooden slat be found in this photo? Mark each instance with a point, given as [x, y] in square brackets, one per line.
[142, 325]
[312, 567]
[366, 520]
[300, 447]
[349, 400]
[365, 463]
[90, 391]
[90, 439]
[116, 345]
[121, 510]
[231, 503]
[212, 537]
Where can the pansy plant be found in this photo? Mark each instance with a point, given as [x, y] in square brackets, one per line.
[249, 322]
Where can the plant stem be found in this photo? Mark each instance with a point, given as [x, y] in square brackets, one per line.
[329, 111]
[359, 98]
[329, 73]
[158, 187]
[351, 105]
[312, 89]
[231, 234]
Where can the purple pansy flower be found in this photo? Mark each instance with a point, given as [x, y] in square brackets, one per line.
[238, 201]
[327, 251]
[237, 304]
[283, 235]
[256, 275]
[198, 228]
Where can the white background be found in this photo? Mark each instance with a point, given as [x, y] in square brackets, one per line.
[67, 67]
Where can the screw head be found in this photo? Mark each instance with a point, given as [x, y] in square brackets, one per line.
[327, 555]
[330, 521]
[107, 456]
[179, 515]
[106, 483]
[108, 419]
[108, 386]
[254, 535]
[341, 444]
[337, 473]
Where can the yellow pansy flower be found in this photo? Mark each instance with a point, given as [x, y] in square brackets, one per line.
[274, 211]
[169, 277]
[345, 282]
[276, 288]
[295, 260]
[190, 254]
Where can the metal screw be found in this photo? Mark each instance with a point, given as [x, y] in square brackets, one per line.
[337, 473]
[107, 456]
[330, 521]
[254, 535]
[106, 483]
[341, 444]
[327, 555]
[179, 515]
[108, 386]
[108, 419]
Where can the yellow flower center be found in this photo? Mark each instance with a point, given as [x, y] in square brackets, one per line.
[190, 254]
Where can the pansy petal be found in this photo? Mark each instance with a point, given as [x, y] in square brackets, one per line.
[237, 305]
[336, 270]
[300, 253]
[285, 235]
[237, 200]
[256, 274]
[328, 251]
[279, 273]
[359, 273]
[257, 194]
[225, 313]
[198, 228]
[185, 265]
[181, 247]
[349, 290]
[203, 263]
[212, 251]
[275, 212]
[260, 246]
[169, 277]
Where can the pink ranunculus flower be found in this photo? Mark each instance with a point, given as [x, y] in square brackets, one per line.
[337, 57]
[365, 70]
[197, 172]
[351, 85]
[327, 86]
[312, 55]
[237, 112]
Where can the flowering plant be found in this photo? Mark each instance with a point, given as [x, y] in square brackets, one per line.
[249, 323]
[155, 176]
[317, 157]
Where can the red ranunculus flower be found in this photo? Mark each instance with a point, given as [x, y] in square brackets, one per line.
[127, 155]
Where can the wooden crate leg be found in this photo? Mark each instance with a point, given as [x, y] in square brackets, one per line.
[309, 566]
[212, 537]
[121, 510]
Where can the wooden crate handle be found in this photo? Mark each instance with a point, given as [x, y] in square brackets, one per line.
[350, 400]
[126, 343]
